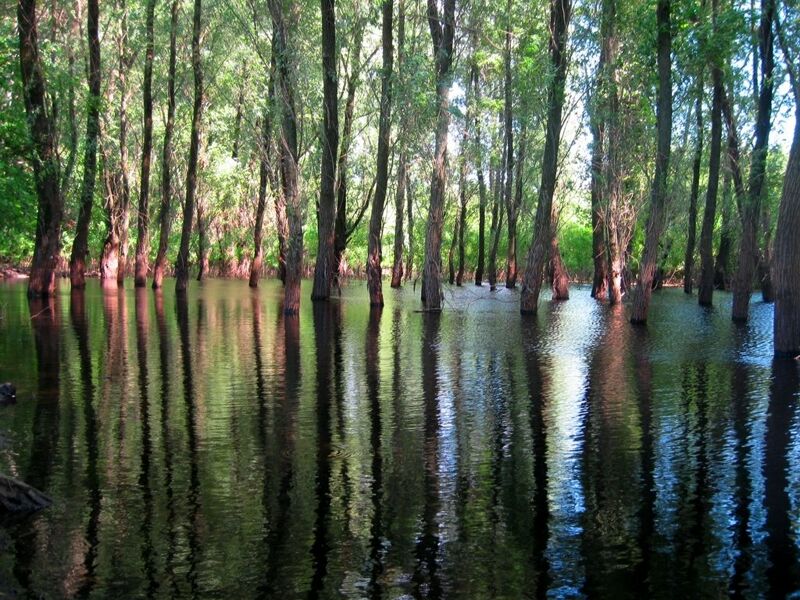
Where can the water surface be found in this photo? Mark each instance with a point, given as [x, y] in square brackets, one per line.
[211, 447]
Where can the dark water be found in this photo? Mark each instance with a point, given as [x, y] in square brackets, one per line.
[213, 448]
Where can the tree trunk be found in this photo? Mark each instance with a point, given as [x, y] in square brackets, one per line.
[599, 290]
[722, 258]
[411, 246]
[281, 219]
[109, 257]
[80, 245]
[284, 18]
[748, 249]
[143, 215]
[451, 266]
[341, 227]
[706, 288]
[659, 197]
[263, 178]
[559, 279]
[324, 267]
[399, 209]
[462, 209]
[786, 259]
[166, 157]
[374, 270]
[202, 238]
[479, 269]
[537, 255]
[765, 257]
[442, 33]
[126, 59]
[511, 208]
[496, 227]
[688, 261]
[50, 202]
[182, 263]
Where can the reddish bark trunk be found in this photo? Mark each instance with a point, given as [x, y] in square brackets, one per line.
[399, 209]
[263, 178]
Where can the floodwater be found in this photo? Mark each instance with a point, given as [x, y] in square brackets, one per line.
[211, 447]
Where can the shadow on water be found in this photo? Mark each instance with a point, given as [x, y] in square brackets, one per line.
[45, 322]
[426, 576]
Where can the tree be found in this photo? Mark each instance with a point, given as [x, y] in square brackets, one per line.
[786, 259]
[751, 209]
[706, 288]
[46, 167]
[80, 246]
[182, 264]
[402, 166]
[442, 33]
[323, 270]
[374, 270]
[540, 247]
[508, 117]
[659, 196]
[166, 156]
[284, 18]
[143, 218]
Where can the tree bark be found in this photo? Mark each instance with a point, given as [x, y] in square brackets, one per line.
[442, 33]
[411, 246]
[722, 258]
[284, 18]
[263, 179]
[143, 214]
[479, 269]
[374, 270]
[126, 59]
[748, 248]
[600, 260]
[511, 208]
[341, 227]
[399, 209]
[182, 264]
[537, 256]
[706, 288]
[496, 226]
[786, 258]
[402, 168]
[688, 261]
[46, 167]
[324, 267]
[559, 279]
[659, 196]
[80, 245]
[462, 209]
[164, 219]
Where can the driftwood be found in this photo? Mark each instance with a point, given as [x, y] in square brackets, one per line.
[17, 497]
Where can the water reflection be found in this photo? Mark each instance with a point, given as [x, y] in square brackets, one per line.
[207, 445]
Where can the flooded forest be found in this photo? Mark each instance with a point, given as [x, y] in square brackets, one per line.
[399, 299]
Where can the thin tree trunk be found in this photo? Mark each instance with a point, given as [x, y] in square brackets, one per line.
[599, 290]
[341, 227]
[748, 249]
[166, 157]
[109, 257]
[786, 259]
[410, 211]
[706, 288]
[688, 261]
[399, 209]
[765, 257]
[263, 179]
[537, 255]
[374, 270]
[508, 117]
[659, 196]
[80, 245]
[325, 266]
[50, 205]
[182, 264]
[402, 168]
[143, 215]
[559, 279]
[722, 259]
[442, 33]
[481, 181]
[284, 18]
[203, 248]
[451, 267]
[462, 209]
[125, 63]
[281, 219]
[496, 230]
